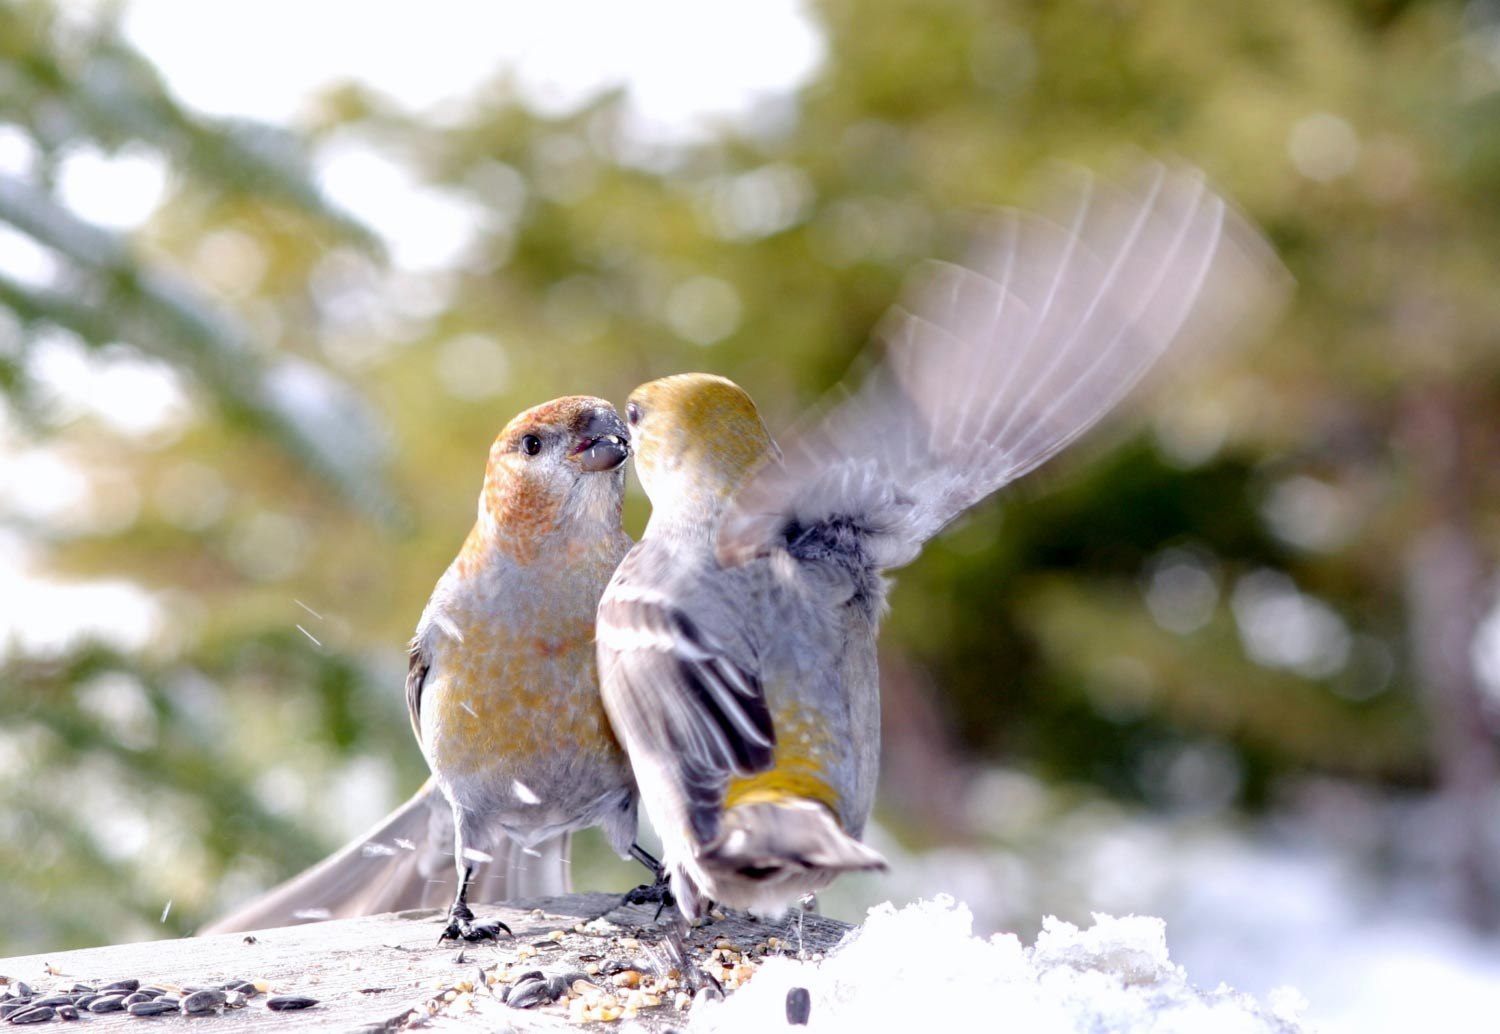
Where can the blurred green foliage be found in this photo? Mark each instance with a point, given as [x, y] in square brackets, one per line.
[1232, 576]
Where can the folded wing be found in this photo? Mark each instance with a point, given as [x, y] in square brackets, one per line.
[675, 695]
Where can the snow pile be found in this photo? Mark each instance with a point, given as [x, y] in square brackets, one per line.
[922, 967]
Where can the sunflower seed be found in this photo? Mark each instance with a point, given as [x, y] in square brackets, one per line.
[203, 1001]
[109, 1003]
[530, 993]
[138, 998]
[22, 989]
[11, 1008]
[281, 1003]
[153, 1007]
[798, 1006]
[53, 1000]
[123, 986]
[36, 1014]
[84, 1001]
[67, 1012]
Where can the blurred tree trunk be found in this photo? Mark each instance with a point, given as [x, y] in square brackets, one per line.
[1449, 587]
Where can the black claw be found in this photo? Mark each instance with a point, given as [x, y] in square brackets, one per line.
[658, 893]
[462, 928]
[487, 932]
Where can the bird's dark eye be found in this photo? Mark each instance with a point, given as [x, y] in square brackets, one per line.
[632, 413]
[531, 444]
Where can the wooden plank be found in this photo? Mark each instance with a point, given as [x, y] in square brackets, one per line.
[385, 972]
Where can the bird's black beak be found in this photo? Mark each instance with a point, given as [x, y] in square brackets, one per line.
[604, 443]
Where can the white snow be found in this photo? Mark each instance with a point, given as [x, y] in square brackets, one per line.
[922, 968]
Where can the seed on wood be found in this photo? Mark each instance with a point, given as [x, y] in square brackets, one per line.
[53, 1000]
[35, 1014]
[86, 1000]
[78, 989]
[530, 993]
[155, 991]
[11, 1008]
[154, 1007]
[123, 986]
[798, 1006]
[530, 974]
[203, 1001]
[244, 987]
[67, 1012]
[138, 998]
[109, 1003]
[283, 1003]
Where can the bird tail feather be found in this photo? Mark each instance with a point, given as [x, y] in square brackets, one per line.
[405, 861]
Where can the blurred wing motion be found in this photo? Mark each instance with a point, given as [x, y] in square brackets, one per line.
[994, 365]
[404, 862]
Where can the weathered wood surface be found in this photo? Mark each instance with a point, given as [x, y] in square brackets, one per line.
[388, 972]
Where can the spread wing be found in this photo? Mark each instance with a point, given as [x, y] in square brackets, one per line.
[994, 365]
[677, 699]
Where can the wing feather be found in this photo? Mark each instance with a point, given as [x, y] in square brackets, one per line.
[675, 694]
[994, 365]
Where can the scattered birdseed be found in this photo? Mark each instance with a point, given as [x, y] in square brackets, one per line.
[123, 986]
[109, 1003]
[205, 1000]
[34, 1014]
[798, 1006]
[283, 1003]
[153, 1007]
[528, 994]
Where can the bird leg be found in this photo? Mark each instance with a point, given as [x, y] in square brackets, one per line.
[657, 892]
[461, 925]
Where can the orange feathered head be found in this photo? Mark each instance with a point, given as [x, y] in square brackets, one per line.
[562, 461]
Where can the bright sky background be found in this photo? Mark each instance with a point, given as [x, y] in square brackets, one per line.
[685, 66]
[681, 60]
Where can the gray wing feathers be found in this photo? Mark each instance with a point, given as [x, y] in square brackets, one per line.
[404, 862]
[673, 688]
[385, 870]
[994, 365]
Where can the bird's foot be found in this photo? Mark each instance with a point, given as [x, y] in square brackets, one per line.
[461, 927]
[658, 894]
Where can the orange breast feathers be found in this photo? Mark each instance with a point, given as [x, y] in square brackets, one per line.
[502, 695]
